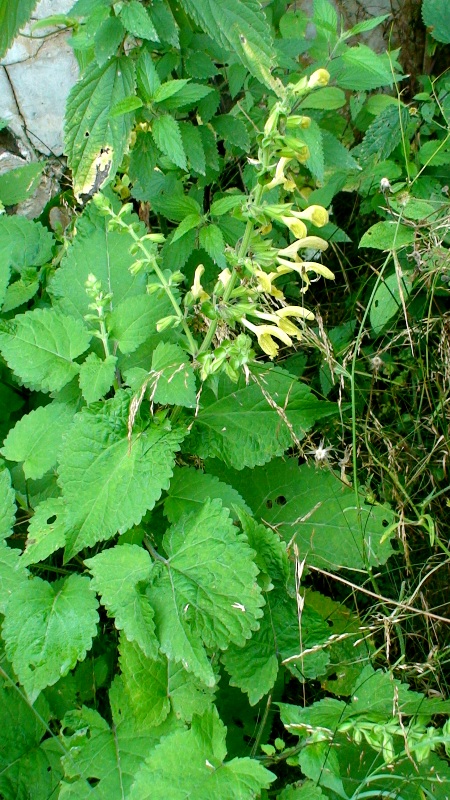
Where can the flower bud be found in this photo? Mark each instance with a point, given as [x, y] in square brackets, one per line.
[297, 121]
[319, 78]
[171, 321]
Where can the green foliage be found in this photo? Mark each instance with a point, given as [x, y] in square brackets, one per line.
[176, 583]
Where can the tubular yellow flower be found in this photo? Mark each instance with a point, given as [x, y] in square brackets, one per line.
[311, 242]
[296, 121]
[318, 215]
[295, 311]
[319, 78]
[297, 227]
[264, 334]
[224, 277]
[279, 177]
[288, 327]
[265, 283]
[197, 291]
[302, 267]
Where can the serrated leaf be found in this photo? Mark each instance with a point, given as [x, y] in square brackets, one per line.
[41, 346]
[306, 791]
[107, 480]
[7, 504]
[21, 290]
[435, 152]
[18, 184]
[107, 757]
[12, 17]
[164, 22]
[143, 160]
[90, 132]
[193, 146]
[48, 628]
[176, 206]
[387, 299]
[147, 77]
[226, 204]
[117, 577]
[134, 320]
[207, 591]
[361, 69]
[126, 106]
[168, 89]
[111, 268]
[171, 380]
[329, 97]
[435, 17]
[211, 239]
[96, 377]
[36, 438]
[365, 26]
[24, 243]
[388, 236]
[155, 686]
[24, 760]
[107, 39]
[384, 134]
[200, 65]
[46, 531]
[312, 137]
[13, 574]
[232, 131]
[175, 254]
[313, 508]
[187, 224]
[189, 488]
[240, 426]
[137, 21]
[189, 95]
[167, 136]
[240, 26]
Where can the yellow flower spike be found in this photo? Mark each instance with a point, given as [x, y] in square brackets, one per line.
[312, 242]
[295, 311]
[297, 227]
[319, 78]
[264, 334]
[197, 291]
[318, 215]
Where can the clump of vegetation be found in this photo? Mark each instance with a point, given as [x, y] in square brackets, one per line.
[225, 379]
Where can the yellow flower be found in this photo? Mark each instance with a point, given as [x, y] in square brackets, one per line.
[306, 266]
[224, 277]
[288, 327]
[264, 334]
[318, 215]
[319, 78]
[295, 311]
[197, 291]
[265, 283]
[297, 227]
[279, 177]
[311, 242]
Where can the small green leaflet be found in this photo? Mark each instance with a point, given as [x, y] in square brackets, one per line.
[12, 17]
[7, 504]
[190, 487]
[24, 243]
[208, 590]
[36, 438]
[242, 428]
[157, 686]
[18, 184]
[46, 531]
[211, 239]
[191, 764]
[232, 131]
[95, 142]
[137, 21]
[388, 236]
[41, 346]
[96, 377]
[147, 78]
[167, 136]
[193, 146]
[134, 320]
[171, 380]
[108, 480]
[107, 39]
[22, 290]
[48, 628]
[119, 577]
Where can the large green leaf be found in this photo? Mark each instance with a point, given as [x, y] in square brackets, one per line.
[24, 243]
[110, 266]
[388, 236]
[207, 590]
[167, 136]
[387, 299]
[95, 141]
[134, 320]
[155, 686]
[36, 438]
[41, 346]
[191, 764]
[240, 26]
[118, 575]
[361, 69]
[435, 16]
[13, 575]
[97, 376]
[313, 508]
[25, 760]
[189, 488]
[46, 531]
[12, 17]
[108, 480]
[48, 627]
[7, 504]
[248, 424]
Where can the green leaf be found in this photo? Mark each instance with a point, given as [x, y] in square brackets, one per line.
[435, 152]
[193, 146]
[200, 65]
[171, 380]
[232, 131]
[326, 19]
[360, 69]
[176, 206]
[319, 762]
[306, 791]
[95, 142]
[191, 763]
[164, 22]
[384, 134]
[365, 26]
[48, 628]
[41, 346]
[155, 686]
[21, 290]
[13, 575]
[24, 243]
[207, 591]
[387, 299]
[46, 531]
[435, 17]
[240, 26]
[189, 488]
[312, 137]
[108, 758]
[36, 438]
[12, 17]
[388, 236]
[167, 136]
[108, 480]
[134, 320]
[188, 95]
[242, 428]
[25, 762]
[137, 21]
[329, 98]
[226, 204]
[187, 224]
[119, 575]
[126, 106]
[7, 504]
[112, 262]
[147, 77]
[96, 377]
[107, 39]
[168, 89]
[211, 239]
[313, 508]
[18, 184]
